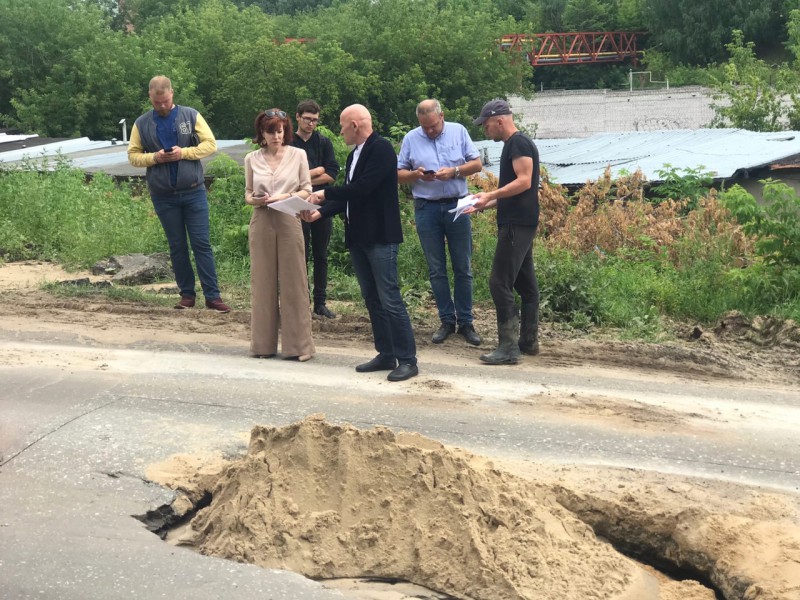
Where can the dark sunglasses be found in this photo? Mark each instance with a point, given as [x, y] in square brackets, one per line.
[275, 113]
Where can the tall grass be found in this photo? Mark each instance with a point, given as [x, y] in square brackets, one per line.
[57, 215]
[606, 256]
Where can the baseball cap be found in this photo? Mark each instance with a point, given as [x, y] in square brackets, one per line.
[493, 108]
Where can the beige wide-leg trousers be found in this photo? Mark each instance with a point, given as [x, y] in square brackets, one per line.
[279, 285]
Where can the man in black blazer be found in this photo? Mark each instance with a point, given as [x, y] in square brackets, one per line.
[372, 234]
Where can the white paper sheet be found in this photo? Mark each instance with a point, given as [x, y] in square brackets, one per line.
[463, 204]
[292, 205]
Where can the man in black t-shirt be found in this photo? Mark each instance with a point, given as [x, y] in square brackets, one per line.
[324, 169]
[517, 202]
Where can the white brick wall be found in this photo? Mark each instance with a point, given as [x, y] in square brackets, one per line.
[582, 113]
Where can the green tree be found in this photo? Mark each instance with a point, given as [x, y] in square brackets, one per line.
[750, 96]
[35, 36]
[96, 85]
[139, 14]
[271, 75]
[585, 15]
[287, 7]
[550, 15]
[630, 15]
[450, 52]
[696, 31]
[206, 39]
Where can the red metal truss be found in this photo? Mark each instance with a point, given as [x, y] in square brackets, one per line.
[543, 49]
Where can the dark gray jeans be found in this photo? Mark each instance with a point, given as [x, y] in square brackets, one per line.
[513, 269]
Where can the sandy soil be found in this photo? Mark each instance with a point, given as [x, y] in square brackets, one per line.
[749, 540]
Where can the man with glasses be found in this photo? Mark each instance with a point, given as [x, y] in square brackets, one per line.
[436, 158]
[169, 141]
[324, 169]
[517, 202]
[373, 233]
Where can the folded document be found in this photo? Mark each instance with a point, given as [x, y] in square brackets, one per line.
[463, 204]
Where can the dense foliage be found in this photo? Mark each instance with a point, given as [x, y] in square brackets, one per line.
[78, 67]
[69, 68]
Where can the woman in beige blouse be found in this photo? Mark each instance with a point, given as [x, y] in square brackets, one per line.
[277, 252]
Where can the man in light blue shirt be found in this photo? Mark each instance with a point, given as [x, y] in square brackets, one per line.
[435, 158]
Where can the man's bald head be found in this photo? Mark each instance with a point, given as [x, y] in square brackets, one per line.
[356, 123]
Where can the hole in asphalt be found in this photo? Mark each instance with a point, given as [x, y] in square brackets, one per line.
[164, 518]
[335, 502]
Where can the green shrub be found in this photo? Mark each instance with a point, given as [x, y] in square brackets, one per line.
[565, 286]
[689, 184]
[775, 275]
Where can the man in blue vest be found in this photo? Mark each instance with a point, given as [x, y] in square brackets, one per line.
[169, 141]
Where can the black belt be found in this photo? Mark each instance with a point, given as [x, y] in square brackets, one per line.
[441, 200]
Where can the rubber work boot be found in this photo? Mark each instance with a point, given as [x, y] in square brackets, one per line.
[529, 329]
[507, 352]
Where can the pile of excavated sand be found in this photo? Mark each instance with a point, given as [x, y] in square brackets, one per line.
[333, 501]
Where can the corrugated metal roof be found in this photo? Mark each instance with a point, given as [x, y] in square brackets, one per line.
[571, 161]
[722, 152]
[102, 156]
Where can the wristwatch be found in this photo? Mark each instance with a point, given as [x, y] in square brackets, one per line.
[458, 172]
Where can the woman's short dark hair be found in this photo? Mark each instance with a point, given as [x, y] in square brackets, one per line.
[269, 121]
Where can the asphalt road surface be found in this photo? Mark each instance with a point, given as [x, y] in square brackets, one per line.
[80, 423]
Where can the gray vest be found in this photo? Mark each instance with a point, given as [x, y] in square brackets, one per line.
[190, 172]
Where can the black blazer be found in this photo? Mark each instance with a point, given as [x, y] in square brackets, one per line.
[374, 207]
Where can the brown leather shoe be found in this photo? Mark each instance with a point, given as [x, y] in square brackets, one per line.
[185, 302]
[218, 305]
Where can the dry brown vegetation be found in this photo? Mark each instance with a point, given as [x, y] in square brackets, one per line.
[609, 214]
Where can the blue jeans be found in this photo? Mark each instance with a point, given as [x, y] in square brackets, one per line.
[183, 213]
[434, 226]
[376, 269]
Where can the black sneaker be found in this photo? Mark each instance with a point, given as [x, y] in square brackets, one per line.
[324, 311]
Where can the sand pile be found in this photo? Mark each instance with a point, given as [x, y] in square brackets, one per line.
[329, 501]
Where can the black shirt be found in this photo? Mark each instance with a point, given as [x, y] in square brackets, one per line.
[319, 151]
[522, 209]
